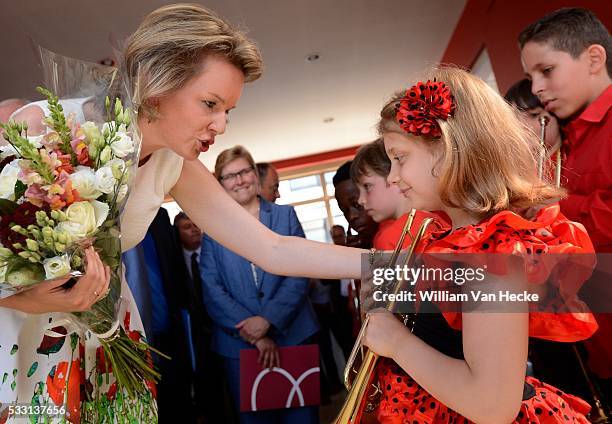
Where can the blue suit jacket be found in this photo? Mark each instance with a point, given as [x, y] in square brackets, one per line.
[231, 295]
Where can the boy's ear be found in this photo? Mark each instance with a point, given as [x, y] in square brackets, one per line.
[597, 57]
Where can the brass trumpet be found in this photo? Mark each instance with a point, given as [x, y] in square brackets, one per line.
[543, 122]
[359, 396]
[543, 154]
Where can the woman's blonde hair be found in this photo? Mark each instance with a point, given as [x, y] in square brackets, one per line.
[168, 47]
[230, 155]
[489, 158]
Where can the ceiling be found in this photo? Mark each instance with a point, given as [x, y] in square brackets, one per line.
[368, 49]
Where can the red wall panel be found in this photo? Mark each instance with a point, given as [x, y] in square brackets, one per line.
[496, 24]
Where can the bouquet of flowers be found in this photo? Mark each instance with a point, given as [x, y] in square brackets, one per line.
[60, 193]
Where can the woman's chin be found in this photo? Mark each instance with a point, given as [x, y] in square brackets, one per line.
[191, 155]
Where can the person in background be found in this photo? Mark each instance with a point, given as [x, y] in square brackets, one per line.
[547, 357]
[163, 303]
[338, 235]
[268, 182]
[567, 55]
[210, 390]
[248, 306]
[345, 296]
[384, 202]
[346, 193]
[531, 110]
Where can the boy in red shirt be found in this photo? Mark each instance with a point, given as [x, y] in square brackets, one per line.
[568, 57]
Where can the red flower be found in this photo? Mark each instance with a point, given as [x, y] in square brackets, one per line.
[423, 104]
[66, 165]
[103, 364]
[24, 215]
[112, 391]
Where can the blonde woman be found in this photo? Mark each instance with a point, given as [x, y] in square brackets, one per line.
[188, 67]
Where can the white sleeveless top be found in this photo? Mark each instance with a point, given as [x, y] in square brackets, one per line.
[154, 180]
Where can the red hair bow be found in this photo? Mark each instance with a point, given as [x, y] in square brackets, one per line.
[423, 103]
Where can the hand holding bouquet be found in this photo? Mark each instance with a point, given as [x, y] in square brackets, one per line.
[61, 195]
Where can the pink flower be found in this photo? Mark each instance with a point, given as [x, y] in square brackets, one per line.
[27, 175]
[52, 141]
[49, 158]
[56, 195]
[79, 146]
[35, 195]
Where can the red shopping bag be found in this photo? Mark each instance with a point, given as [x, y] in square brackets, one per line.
[294, 384]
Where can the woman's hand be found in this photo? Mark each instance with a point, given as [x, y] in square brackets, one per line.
[253, 328]
[51, 297]
[269, 356]
[384, 333]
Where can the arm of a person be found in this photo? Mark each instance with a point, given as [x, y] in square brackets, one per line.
[220, 305]
[218, 215]
[291, 294]
[594, 211]
[487, 385]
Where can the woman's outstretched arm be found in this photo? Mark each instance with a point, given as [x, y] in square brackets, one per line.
[218, 215]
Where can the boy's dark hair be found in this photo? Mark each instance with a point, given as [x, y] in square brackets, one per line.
[520, 95]
[571, 30]
[342, 174]
[370, 157]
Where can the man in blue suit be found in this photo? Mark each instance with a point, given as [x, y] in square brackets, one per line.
[250, 307]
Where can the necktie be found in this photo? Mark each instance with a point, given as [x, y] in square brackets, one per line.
[195, 274]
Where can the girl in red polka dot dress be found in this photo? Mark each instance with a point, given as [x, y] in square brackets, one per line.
[456, 146]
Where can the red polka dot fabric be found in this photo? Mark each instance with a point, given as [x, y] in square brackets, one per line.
[405, 402]
[542, 243]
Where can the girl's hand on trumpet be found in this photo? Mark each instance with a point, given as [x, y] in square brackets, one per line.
[385, 333]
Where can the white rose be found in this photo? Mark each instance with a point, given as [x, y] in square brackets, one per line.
[8, 178]
[83, 218]
[101, 211]
[123, 145]
[105, 180]
[57, 266]
[84, 181]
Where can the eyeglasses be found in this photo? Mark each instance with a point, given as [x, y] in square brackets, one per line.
[229, 178]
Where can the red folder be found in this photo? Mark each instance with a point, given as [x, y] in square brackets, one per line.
[294, 384]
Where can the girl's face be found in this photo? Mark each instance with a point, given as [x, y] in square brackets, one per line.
[380, 199]
[412, 169]
[192, 116]
[531, 118]
[239, 180]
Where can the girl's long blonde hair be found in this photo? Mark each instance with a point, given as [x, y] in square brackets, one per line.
[489, 158]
